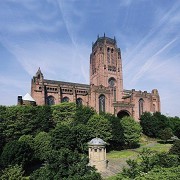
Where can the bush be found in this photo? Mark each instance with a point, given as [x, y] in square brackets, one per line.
[161, 173]
[175, 149]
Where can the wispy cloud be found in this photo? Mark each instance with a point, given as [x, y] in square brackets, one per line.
[159, 40]
[57, 36]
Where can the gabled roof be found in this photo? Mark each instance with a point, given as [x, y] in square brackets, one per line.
[28, 97]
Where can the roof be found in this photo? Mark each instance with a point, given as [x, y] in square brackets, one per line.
[66, 83]
[97, 141]
[28, 97]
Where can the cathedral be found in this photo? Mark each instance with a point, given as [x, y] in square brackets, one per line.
[105, 93]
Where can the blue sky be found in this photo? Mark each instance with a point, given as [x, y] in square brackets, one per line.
[57, 36]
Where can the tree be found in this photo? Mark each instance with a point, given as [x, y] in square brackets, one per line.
[64, 113]
[175, 125]
[83, 114]
[27, 139]
[81, 135]
[12, 173]
[61, 137]
[16, 152]
[42, 145]
[98, 126]
[117, 131]
[65, 164]
[148, 124]
[152, 124]
[2, 126]
[131, 131]
[23, 120]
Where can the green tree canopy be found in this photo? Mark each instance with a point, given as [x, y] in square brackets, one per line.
[42, 145]
[16, 152]
[61, 137]
[64, 113]
[117, 131]
[83, 114]
[23, 120]
[65, 164]
[98, 126]
[81, 135]
[131, 131]
[153, 123]
[12, 173]
[175, 125]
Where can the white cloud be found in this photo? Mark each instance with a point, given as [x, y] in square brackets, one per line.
[57, 60]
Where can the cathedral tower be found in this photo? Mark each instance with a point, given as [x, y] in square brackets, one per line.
[106, 65]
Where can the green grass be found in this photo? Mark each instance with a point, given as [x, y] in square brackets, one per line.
[134, 152]
[121, 154]
[161, 147]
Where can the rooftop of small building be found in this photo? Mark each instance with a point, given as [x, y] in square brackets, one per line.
[96, 141]
[28, 97]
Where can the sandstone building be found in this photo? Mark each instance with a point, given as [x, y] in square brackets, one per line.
[105, 92]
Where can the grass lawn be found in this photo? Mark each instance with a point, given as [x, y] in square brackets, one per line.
[134, 152]
[121, 154]
[161, 147]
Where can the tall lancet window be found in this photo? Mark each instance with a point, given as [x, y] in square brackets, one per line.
[108, 55]
[112, 56]
[141, 101]
[102, 103]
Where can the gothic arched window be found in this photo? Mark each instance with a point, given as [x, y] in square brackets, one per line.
[65, 99]
[141, 101]
[50, 100]
[102, 103]
[79, 101]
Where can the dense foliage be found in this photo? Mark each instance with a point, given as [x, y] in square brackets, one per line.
[131, 131]
[150, 165]
[175, 149]
[12, 173]
[158, 125]
[50, 142]
[36, 139]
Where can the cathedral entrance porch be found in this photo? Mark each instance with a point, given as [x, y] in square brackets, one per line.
[123, 113]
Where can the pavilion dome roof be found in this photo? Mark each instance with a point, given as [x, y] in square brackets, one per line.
[97, 141]
[28, 97]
